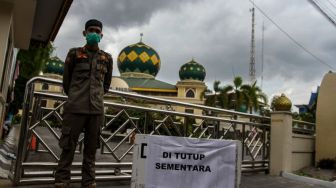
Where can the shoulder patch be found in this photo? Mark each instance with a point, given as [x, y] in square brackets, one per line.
[73, 50]
[109, 56]
[105, 53]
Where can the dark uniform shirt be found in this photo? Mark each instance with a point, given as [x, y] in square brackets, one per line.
[86, 78]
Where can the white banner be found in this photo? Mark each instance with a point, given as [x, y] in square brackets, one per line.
[174, 162]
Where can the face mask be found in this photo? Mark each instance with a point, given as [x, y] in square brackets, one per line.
[92, 38]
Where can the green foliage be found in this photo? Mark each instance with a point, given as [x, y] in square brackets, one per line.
[237, 96]
[253, 96]
[217, 99]
[16, 119]
[273, 102]
[32, 61]
[309, 117]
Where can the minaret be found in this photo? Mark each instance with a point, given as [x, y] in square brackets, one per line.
[252, 51]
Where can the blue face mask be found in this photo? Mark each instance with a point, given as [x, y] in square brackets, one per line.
[92, 38]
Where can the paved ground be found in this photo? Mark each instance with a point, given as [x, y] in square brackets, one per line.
[248, 181]
[265, 181]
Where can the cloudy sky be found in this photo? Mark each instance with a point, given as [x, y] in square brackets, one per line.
[216, 33]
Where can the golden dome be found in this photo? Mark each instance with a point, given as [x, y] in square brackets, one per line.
[282, 103]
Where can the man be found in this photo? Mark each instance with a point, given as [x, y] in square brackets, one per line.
[86, 78]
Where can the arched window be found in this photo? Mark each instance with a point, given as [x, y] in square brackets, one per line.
[45, 86]
[190, 93]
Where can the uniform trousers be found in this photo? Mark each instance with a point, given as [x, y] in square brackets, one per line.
[73, 125]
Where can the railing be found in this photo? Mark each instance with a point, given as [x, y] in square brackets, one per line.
[303, 127]
[131, 115]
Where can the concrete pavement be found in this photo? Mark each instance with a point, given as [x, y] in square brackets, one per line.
[248, 181]
[266, 181]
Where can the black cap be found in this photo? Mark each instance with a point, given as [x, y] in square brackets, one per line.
[93, 22]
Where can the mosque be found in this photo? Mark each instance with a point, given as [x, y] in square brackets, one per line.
[138, 65]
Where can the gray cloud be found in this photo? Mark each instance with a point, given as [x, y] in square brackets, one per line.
[217, 34]
[125, 13]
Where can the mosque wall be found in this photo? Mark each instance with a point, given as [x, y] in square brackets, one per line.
[326, 119]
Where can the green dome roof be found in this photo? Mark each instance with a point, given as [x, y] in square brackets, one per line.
[192, 71]
[139, 58]
[54, 66]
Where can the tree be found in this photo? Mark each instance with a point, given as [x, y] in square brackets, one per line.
[236, 96]
[253, 96]
[223, 98]
[220, 96]
[275, 97]
[211, 100]
[216, 88]
[32, 61]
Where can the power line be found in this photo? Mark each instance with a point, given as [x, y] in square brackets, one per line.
[291, 38]
[323, 12]
[332, 4]
[324, 6]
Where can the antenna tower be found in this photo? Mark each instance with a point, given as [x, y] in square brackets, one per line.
[252, 52]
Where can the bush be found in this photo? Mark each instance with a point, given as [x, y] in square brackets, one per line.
[17, 119]
[327, 164]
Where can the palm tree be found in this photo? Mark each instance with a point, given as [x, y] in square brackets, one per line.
[216, 88]
[253, 96]
[223, 98]
[235, 93]
[211, 100]
[220, 98]
[275, 97]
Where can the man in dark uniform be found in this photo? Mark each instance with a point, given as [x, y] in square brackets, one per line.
[86, 78]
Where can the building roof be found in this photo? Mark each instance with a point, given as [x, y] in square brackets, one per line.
[139, 58]
[54, 66]
[37, 20]
[149, 84]
[192, 71]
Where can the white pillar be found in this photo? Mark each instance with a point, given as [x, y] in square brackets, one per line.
[281, 142]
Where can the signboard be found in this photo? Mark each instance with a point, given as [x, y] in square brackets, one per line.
[166, 161]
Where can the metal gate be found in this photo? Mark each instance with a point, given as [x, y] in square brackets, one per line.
[126, 115]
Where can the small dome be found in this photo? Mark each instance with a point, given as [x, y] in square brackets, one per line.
[140, 59]
[54, 66]
[282, 103]
[192, 71]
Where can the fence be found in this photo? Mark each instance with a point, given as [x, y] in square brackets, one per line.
[303, 149]
[126, 115]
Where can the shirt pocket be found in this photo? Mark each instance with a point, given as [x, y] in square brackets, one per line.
[101, 70]
[82, 71]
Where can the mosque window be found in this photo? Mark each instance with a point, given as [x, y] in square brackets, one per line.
[189, 111]
[43, 103]
[45, 86]
[190, 93]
